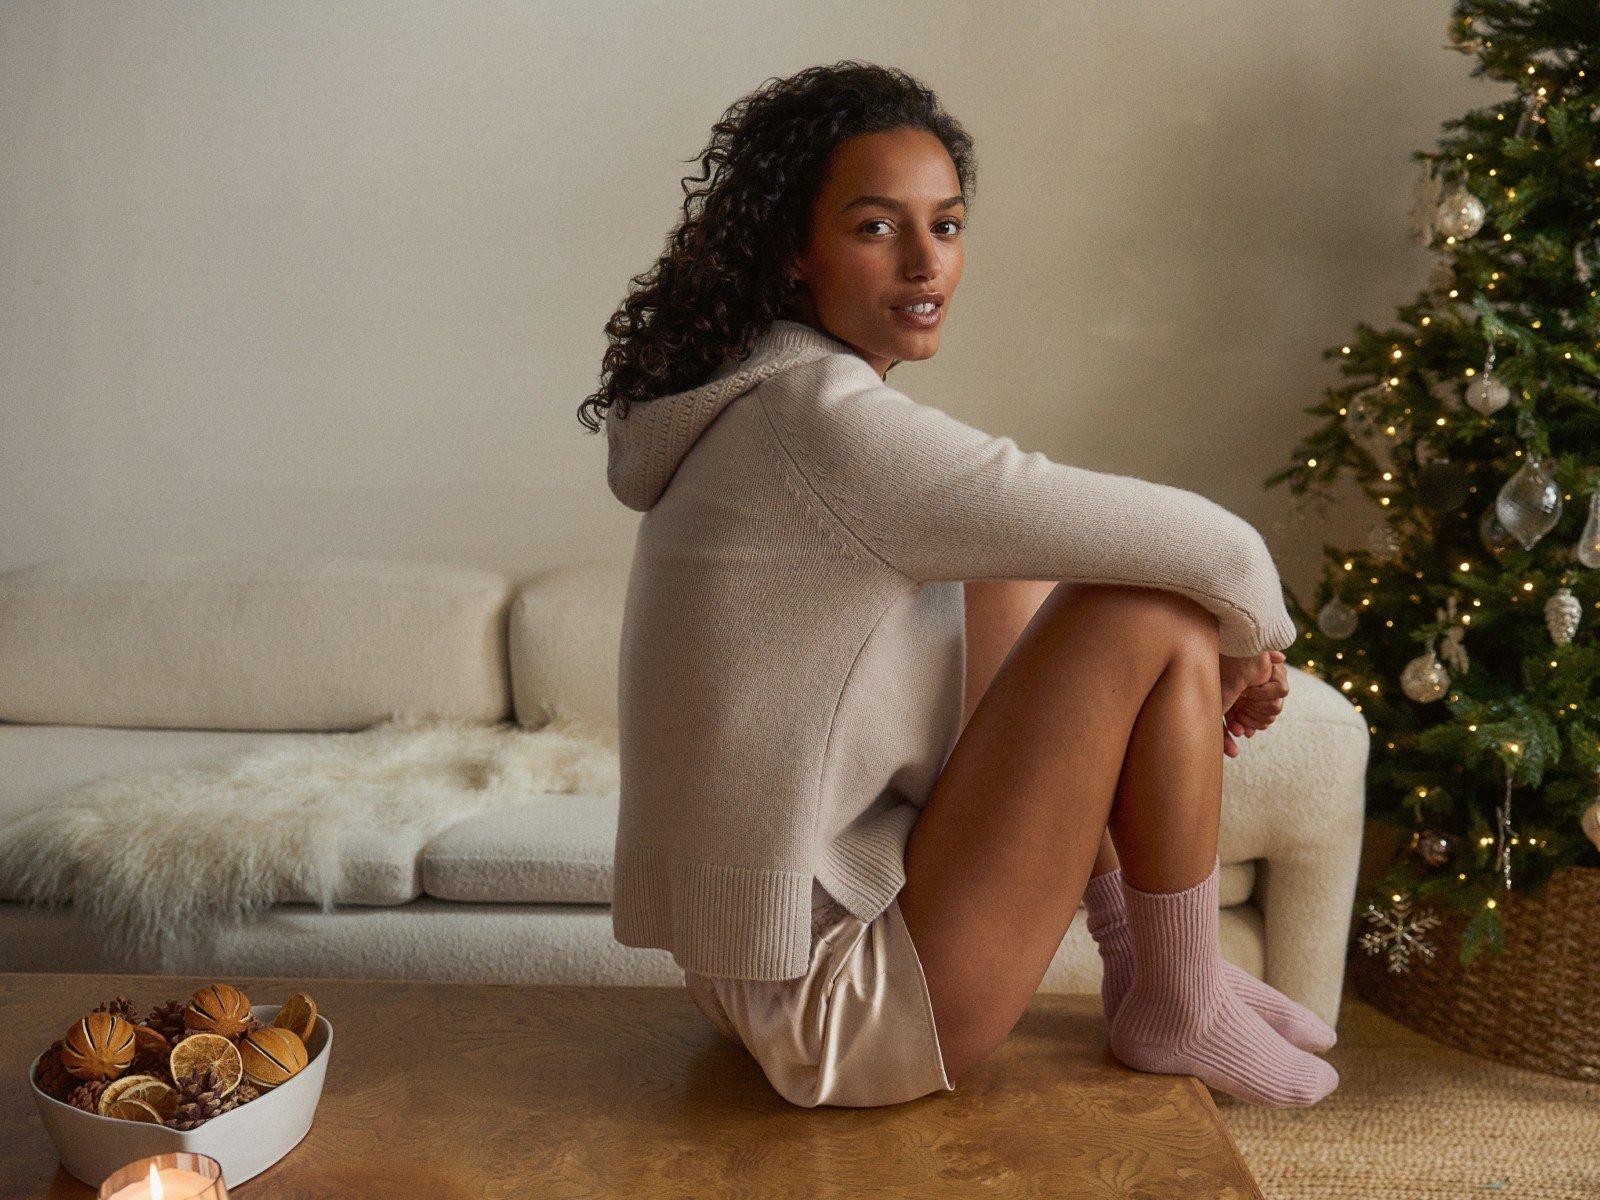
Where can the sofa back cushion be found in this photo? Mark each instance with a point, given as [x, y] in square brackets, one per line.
[260, 642]
[565, 636]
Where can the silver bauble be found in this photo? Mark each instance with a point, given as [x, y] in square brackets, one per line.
[1529, 503]
[1460, 214]
[1486, 394]
[1587, 550]
[1336, 619]
[1496, 538]
[1424, 678]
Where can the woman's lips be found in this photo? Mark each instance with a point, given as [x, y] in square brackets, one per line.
[917, 320]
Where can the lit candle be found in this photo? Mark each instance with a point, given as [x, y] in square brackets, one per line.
[161, 1178]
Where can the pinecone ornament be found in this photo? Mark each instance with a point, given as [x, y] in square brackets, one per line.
[167, 1020]
[54, 1079]
[1562, 612]
[243, 1094]
[87, 1095]
[121, 1006]
[199, 1099]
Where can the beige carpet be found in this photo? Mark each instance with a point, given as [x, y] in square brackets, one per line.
[1414, 1120]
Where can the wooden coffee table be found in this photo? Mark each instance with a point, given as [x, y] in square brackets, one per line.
[449, 1091]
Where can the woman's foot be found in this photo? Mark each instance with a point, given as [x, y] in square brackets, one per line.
[1108, 925]
[1180, 1017]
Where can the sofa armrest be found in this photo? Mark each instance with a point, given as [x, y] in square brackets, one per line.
[1296, 801]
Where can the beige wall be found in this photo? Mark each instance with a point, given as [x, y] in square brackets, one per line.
[331, 277]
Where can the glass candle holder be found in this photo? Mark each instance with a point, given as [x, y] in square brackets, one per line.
[179, 1175]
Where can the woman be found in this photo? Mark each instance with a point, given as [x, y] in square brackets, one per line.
[863, 886]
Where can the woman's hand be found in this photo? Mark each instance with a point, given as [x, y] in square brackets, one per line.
[1253, 689]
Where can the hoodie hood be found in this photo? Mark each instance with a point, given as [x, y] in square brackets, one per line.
[645, 448]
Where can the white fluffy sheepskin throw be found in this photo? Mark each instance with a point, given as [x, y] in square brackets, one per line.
[153, 858]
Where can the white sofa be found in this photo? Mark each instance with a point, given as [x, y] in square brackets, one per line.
[116, 664]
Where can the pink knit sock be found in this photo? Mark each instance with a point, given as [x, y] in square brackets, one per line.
[1108, 925]
[1180, 1018]
[1107, 919]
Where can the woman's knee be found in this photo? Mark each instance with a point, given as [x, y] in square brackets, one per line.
[1148, 613]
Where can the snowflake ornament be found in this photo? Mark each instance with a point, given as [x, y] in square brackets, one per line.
[1397, 933]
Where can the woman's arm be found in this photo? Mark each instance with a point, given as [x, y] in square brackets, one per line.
[935, 498]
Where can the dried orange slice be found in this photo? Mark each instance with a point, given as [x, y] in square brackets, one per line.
[298, 1015]
[117, 1087]
[129, 1109]
[201, 1050]
[157, 1093]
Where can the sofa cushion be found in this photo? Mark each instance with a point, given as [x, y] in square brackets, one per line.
[553, 848]
[563, 634]
[39, 761]
[262, 642]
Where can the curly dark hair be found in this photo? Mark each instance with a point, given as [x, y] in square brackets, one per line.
[722, 279]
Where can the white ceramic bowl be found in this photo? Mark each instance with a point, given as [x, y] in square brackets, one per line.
[246, 1141]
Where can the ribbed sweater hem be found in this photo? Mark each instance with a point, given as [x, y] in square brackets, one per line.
[753, 922]
[716, 919]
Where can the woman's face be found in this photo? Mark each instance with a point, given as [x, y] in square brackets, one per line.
[885, 231]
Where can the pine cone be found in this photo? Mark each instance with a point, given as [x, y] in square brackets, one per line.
[243, 1094]
[199, 1099]
[167, 1020]
[121, 1006]
[159, 1065]
[87, 1095]
[54, 1079]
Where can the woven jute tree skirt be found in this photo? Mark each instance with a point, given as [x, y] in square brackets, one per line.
[1536, 1004]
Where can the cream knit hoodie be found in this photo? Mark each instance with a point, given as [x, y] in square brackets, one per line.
[793, 637]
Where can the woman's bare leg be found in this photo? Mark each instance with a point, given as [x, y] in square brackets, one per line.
[1106, 709]
[998, 610]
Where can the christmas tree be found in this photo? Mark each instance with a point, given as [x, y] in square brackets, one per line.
[1464, 629]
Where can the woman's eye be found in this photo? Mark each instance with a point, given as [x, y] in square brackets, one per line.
[959, 226]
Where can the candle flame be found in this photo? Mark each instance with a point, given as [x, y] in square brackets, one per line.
[155, 1183]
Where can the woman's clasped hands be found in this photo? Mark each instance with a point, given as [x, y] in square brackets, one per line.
[1253, 689]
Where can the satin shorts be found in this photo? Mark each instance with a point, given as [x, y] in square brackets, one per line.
[856, 1030]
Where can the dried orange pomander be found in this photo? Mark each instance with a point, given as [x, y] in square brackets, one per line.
[150, 1041]
[271, 1055]
[99, 1045]
[299, 1014]
[217, 1008]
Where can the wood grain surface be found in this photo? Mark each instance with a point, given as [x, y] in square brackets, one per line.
[447, 1091]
